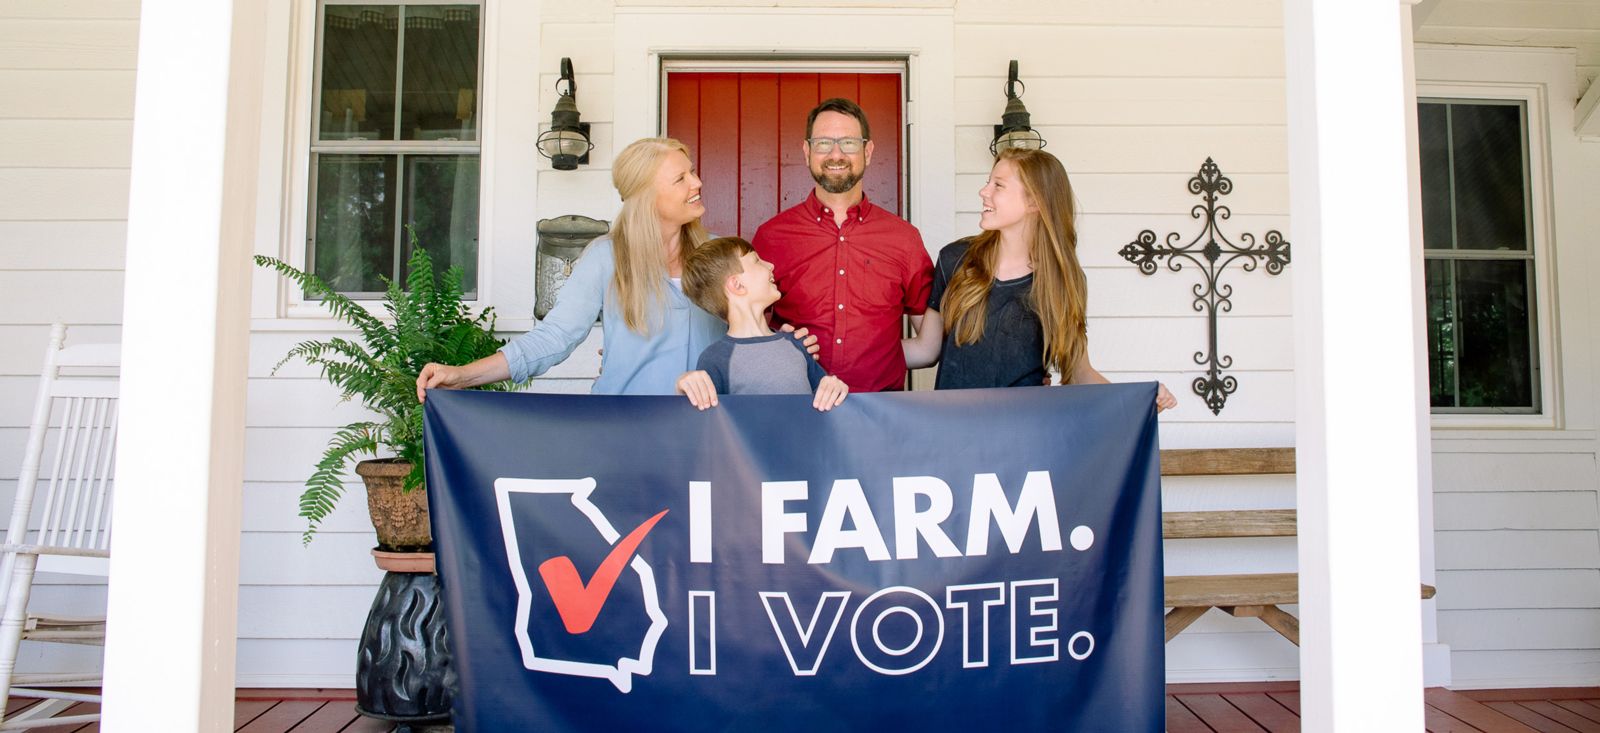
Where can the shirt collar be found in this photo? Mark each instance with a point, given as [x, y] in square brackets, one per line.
[860, 211]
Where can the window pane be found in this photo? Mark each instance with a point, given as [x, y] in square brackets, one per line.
[442, 208]
[1441, 333]
[354, 221]
[358, 61]
[1434, 135]
[1495, 362]
[1489, 184]
[441, 73]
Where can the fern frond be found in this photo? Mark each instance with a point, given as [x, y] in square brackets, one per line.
[317, 352]
[326, 484]
[337, 303]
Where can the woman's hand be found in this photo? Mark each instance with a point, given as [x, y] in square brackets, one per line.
[1164, 398]
[438, 376]
[491, 368]
[697, 386]
[830, 392]
[806, 339]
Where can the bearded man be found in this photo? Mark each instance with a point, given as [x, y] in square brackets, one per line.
[848, 270]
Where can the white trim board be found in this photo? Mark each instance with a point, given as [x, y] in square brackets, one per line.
[1588, 115]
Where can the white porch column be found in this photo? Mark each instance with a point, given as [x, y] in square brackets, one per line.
[1356, 421]
[173, 594]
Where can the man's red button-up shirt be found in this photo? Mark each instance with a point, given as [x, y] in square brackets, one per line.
[849, 285]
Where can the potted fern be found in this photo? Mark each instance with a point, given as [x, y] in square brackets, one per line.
[427, 321]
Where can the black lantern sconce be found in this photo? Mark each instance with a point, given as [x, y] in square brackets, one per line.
[1013, 130]
[566, 143]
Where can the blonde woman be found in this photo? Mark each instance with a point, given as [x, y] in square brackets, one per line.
[652, 333]
[1008, 305]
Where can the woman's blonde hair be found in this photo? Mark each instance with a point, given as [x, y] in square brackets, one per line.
[1060, 291]
[636, 235]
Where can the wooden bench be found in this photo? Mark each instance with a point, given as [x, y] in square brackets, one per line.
[1257, 595]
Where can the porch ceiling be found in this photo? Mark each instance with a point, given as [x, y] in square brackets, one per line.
[1532, 23]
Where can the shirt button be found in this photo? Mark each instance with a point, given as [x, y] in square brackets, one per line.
[838, 341]
[841, 306]
[841, 272]
[841, 239]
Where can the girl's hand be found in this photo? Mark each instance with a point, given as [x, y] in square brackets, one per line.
[806, 339]
[1164, 398]
[830, 392]
[697, 386]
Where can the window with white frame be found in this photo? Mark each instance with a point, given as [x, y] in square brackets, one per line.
[395, 142]
[1478, 246]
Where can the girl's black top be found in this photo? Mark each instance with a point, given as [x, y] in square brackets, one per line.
[1011, 352]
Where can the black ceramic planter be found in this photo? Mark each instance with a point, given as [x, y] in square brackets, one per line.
[403, 670]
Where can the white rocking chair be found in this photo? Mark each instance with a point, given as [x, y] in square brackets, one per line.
[72, 531]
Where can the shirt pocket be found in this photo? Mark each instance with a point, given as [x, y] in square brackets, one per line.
[879, 287]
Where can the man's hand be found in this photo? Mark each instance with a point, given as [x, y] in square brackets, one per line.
[830, 392]
[697, 386]
[806, 339]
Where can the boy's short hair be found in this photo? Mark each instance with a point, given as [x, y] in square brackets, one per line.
[707, 268]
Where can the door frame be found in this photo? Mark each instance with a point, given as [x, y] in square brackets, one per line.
[924, 38]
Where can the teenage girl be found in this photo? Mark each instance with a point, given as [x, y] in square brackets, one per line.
[1008, 305]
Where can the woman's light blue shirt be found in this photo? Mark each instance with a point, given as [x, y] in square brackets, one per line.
[632, 364]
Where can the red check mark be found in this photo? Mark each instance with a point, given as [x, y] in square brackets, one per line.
[579, 603]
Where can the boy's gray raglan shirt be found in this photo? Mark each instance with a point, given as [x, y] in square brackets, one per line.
[776, 364]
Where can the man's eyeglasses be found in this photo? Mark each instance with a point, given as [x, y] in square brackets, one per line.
[847, 145]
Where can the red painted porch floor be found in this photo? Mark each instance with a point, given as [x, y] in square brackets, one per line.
[1275, 707]
[1252, 707]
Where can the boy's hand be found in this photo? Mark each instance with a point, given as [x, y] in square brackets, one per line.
[830, 392]
[806, 339]
[697, 386]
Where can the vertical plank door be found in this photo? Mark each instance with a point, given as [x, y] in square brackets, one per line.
[745, 130]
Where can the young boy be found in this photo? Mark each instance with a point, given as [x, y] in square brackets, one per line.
[727, 279]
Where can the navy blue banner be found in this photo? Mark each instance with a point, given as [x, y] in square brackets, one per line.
[967, 560]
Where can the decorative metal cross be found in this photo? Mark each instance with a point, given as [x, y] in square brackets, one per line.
[1210, 243]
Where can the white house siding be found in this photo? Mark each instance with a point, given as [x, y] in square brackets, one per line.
[66, 121]
[1516, 516]
[1132, 97]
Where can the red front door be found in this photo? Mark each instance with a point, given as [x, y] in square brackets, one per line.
[745, 131]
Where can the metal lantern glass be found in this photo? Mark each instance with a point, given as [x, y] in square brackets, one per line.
[1014, 130]
[566, 143]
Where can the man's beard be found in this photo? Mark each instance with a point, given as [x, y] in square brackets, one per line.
[837, 182]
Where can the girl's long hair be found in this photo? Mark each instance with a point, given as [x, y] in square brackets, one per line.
[1060, 290]
[636, 236]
